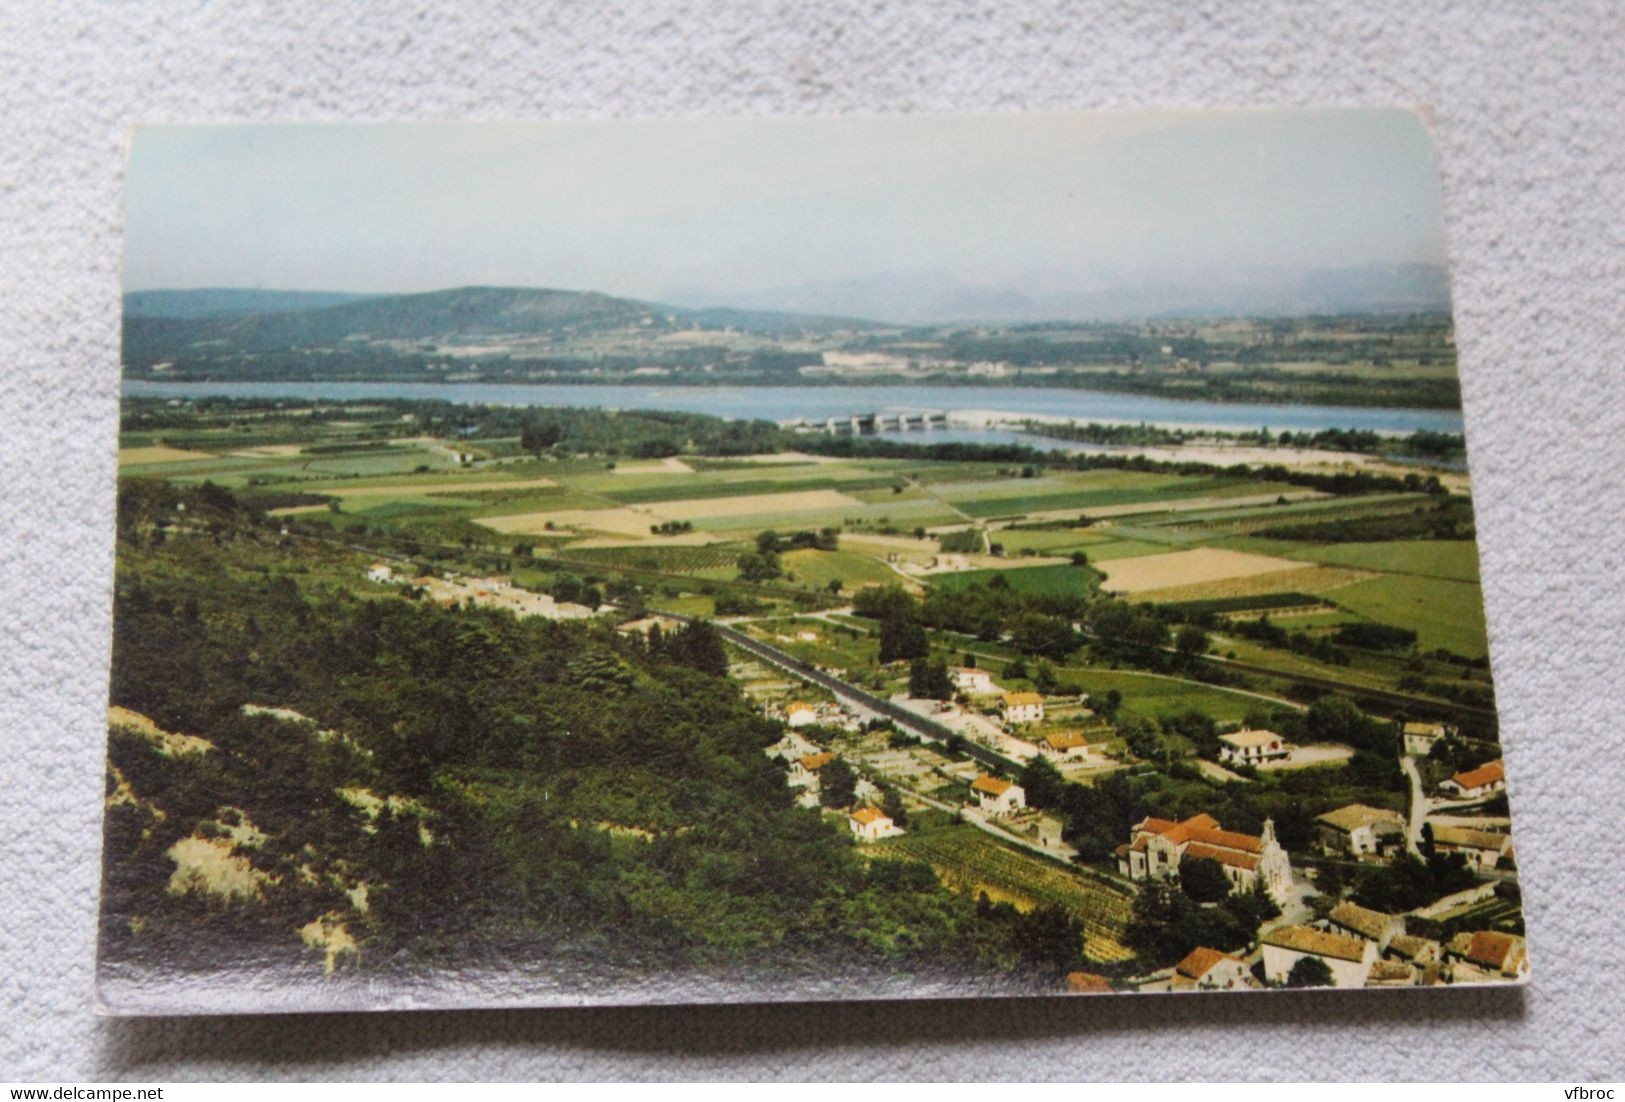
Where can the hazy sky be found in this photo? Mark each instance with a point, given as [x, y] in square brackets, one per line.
[650, 208]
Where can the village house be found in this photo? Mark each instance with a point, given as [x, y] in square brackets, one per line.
[1157, 846]
[1489, 954]
[1415, 950]
[1359, 830]
[804, 770]
[799, 714]
[1483, 849]
[997, 796]
[1391, 973]
[791, 747]
[1475, 784]
[1420, 738]
[1348, 958]
[971, 679]
[1252, 746]
[1023, 708]
[1205, 969]
[1064, 747]
[380, 573]
[869, 824]
[1351, 918]
[1088, 983]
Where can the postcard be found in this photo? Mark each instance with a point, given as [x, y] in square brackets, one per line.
[795, 559]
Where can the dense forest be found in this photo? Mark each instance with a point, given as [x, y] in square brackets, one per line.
[423, 785]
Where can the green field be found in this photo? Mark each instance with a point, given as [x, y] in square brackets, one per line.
[1454, 560]
[1442, 613]
[819, 568]
[1158, 697]
[970, 860]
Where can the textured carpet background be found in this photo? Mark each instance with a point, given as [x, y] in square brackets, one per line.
[1531, 125]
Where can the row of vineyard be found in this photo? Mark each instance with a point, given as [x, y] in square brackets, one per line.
[970, 860]
[669, 560]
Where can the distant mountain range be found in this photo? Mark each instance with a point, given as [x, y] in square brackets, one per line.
[160, 325]
[221, 324]
[921, 298]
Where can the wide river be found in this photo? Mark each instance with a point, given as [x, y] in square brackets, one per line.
[786, 403]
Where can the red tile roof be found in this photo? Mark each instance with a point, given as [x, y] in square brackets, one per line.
[993, 786]
[1200, 961]
[1488, 773]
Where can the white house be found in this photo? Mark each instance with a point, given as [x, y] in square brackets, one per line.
[799, 714]
[1348, 958]
[870, 825]
[804, 771]
[1421, 737]
[1474, 784]
[971, 679]
[1207, 969]
[1064, 747]
[1483, 849]
[380, 573]
[1023, 708]
[1157, 846]
[1252, 746]
[1359, 830]
[997, 796]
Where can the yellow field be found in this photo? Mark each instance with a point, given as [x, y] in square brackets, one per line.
[271, 451]
[709, 508]
[920, 552]
[157, 453]
[672, 465]
[1309, 579]
[682, 539]
[429, 486]
[621, 521]
[1199, 565]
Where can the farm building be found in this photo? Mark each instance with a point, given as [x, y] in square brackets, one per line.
[1205, 969]
[1420, 738]
[1358, 921]
[1359, 830]
[1490, 953]
[1483, 849]
[804, 770]
[380, 573]
[1157, 846]
[799, 714]
[1252, 746]
[1023, 708]
[1064, 747]
[1474, 784]
[870, 825]
[971, 679]
[997, 796]
[1349, 958]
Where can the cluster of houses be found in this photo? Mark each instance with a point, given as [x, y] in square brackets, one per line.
[800, 713]
[1358, 947]
[1361, 947]
[486, 592]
